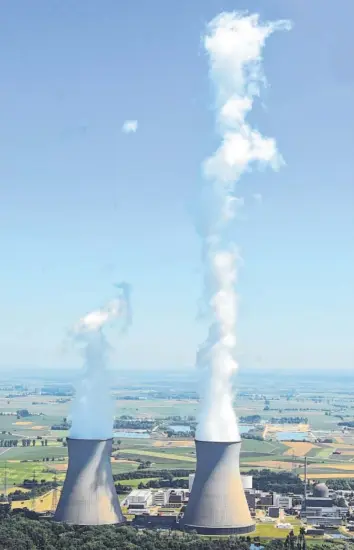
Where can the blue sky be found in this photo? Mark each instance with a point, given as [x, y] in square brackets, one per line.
[84, 205]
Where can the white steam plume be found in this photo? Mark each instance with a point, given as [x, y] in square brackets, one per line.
[234, 43]
[92, 410]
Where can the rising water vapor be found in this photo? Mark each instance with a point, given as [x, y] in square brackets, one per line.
[92, 411]
[234, 43]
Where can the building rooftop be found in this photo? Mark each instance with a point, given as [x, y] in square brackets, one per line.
[140, 493]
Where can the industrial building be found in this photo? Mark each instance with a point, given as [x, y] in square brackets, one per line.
[89, 496]
[139, 500]
[217, 502]
[273, 511]
[319, 509]
[160, 498]
[282, 501]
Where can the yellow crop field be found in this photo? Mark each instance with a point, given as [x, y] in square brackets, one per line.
[298, 448]
[180, 443]
[43, 503]
[22, 423]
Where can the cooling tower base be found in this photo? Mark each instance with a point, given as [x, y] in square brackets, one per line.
[89, 496]
[217, 504]
[219, 531]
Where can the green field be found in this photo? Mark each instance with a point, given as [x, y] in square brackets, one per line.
[312, 400]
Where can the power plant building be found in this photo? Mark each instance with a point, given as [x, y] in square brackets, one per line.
[217, 502]
[89, 496]
[247, 482]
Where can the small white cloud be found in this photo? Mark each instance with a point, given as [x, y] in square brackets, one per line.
[130, 126]
[257, 197]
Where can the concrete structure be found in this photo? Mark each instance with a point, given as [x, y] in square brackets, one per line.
[89, 496]
[319, 509]
[176, 496]
[283, 501]
[190, 481]
[273, 511]
[321, 490]
[217, 503]
[140, 499]
[266, 500]
[251, 499]
[247, 481]
[160, 498]
[323, 521]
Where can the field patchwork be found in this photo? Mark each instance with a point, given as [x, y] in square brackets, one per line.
[298, 448]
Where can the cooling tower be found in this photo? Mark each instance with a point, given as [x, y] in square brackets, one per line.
[89, 496]
[217, 503]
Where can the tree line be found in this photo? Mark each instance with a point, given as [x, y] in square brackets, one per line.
[24, 442]
[22, 530]
[277, 481]
[144, 474]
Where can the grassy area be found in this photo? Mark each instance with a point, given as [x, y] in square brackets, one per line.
[165, 455]
[135, 482]
[18, 471]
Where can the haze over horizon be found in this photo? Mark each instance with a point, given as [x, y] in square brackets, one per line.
[106, 120]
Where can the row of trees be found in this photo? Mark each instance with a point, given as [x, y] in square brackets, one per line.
[289, 420]
[21, 531]
[174, 433]
[124, 424]
[251, 419]
[8, 442]
[24, 442]
[176, 483]
[145, 474]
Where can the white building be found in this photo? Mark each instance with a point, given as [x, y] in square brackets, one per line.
[140, 498]
[160, 498]
[283, 501]
[190, 481]
[247, 481]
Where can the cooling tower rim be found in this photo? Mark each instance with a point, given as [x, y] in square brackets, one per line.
[217, 442]
[89, 439]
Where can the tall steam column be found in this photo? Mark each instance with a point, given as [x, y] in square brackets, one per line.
[217, 503]
[89, 496]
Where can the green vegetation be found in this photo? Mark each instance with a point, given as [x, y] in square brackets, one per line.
[22, 530]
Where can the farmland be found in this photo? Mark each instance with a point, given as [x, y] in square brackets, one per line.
[328, 448]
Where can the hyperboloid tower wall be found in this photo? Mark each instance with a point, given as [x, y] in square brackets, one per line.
[89, 496]
[217, 503]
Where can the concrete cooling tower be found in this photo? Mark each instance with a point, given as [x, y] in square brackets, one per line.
[89, 496]
[217, 503]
